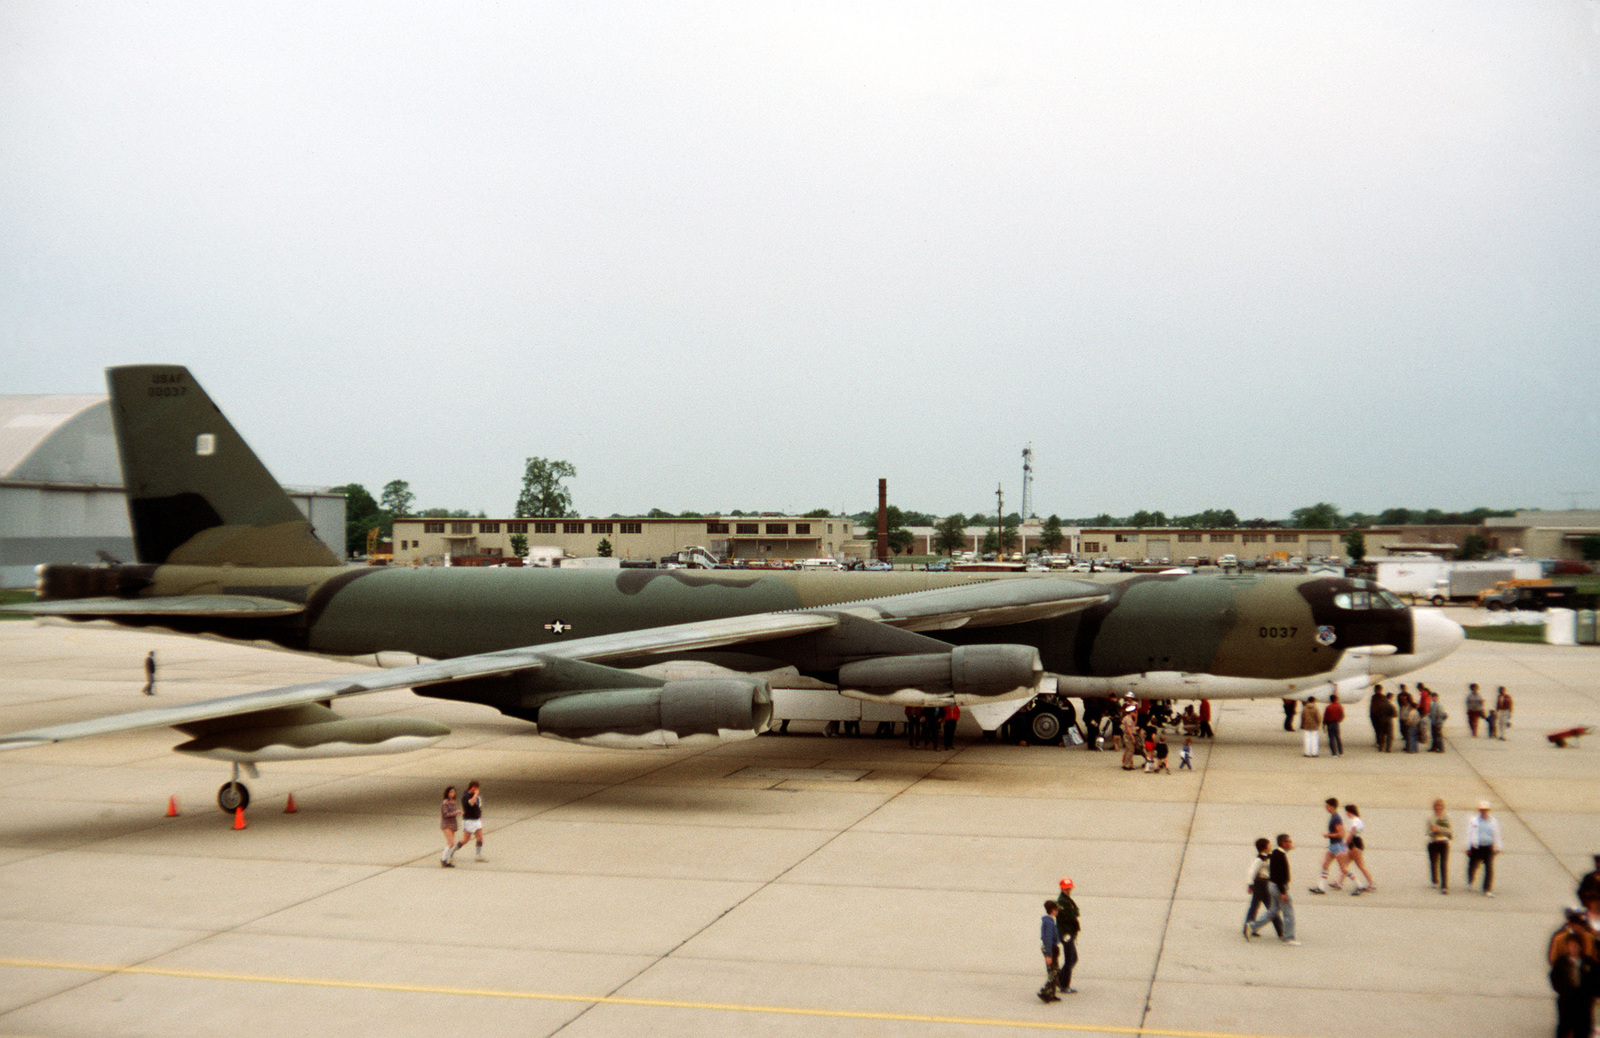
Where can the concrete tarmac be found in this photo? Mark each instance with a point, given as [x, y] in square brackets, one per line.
[786, 885]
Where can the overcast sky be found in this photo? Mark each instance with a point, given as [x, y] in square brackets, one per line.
[756, 256]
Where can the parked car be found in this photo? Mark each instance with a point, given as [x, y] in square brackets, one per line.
[879, 566]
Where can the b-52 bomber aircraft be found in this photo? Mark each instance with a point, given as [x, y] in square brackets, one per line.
[645, 658]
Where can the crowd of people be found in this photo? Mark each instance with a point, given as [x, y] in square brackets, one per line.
[1575, 961]
[1418, 718]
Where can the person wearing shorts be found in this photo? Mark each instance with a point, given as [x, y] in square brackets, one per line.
[449, 814]
[472, 819]
[1337, 851]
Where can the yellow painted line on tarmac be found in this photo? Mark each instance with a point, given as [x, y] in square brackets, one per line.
[608, 1000]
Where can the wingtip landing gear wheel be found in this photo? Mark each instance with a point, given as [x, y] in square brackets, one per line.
[232, 796]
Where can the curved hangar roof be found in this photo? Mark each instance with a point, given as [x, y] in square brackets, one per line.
[63, 438]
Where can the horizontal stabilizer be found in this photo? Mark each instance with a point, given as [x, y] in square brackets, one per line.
[177, 605]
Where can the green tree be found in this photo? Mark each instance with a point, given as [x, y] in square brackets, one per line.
[1589, 548]
[397, 498]
[1051, 538]
[1355, 546]
[1320, 516]
[658, 513]
[901, 541]
[1006, 537]
[603, 549]
[818, 513]
[1394, 517]
[519, 545]
[361, 514]
[542, 495]
[1473, 546]
[950, 535]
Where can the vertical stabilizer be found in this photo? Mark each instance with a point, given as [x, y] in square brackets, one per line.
[197, 494]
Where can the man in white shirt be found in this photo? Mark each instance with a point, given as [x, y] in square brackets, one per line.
[1482, 843]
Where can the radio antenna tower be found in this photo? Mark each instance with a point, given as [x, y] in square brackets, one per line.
[1027, 482]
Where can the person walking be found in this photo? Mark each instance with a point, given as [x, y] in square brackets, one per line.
[1331, 719]
[449, 816]
[1353, 826]
[1205, 720]
[1502, 710]
[150, 673]
[1281, 915]
[1386, 716]
[1258, 881]
[1289, 707]
[1338, 850]
[1375, 715]
[1186, 755]
[1311, 726]
[1483, 843]
[1068, 925]
[1439, 834]
[1436, 719]
[1474, 709]
[1050, 938]
[472, 819]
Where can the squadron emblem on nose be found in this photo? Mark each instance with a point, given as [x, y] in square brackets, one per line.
[1326, 635]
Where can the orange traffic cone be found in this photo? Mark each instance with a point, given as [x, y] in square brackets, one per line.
[289, 808]
[172, 807]
[238, 818]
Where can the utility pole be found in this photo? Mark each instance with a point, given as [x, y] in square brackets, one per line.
[999, 530]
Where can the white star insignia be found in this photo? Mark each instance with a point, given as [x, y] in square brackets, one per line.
[558, 627]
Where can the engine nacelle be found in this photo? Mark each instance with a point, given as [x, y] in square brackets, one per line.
[339, 737]
[698, 710]
[966, 674]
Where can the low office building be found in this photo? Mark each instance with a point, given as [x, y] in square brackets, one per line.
[750, 538]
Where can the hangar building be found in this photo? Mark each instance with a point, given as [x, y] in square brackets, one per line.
[61, 494]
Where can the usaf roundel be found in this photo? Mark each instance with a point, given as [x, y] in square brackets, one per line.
[1326, 635]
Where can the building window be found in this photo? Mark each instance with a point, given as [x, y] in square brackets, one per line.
[802, 527]
[488, 527]
[491, 551]
[782, 528]
[1090, 547]
[747, 527]
[630, 527]
[433, 527]
[460, 527]
[1127, 538]
[1253, 538]
[544, 527]
[1286, 538]
[599, 527]
[716, 527]
[516, 527]
[1188, 538]
[1222, 538]
[571, 527]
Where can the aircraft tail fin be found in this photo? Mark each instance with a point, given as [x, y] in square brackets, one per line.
[197, 493]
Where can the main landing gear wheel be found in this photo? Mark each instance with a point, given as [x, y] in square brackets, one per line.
[232, 796]
[1046, 724]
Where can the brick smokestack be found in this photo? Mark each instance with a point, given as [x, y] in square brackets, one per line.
[883, 518]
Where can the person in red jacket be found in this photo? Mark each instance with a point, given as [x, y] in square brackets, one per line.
[1331, 719]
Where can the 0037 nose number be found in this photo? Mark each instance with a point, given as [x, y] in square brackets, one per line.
[1279, 632]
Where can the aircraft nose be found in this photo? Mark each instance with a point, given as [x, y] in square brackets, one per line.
[1437, 636]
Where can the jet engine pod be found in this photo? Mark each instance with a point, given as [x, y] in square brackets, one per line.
[703, 709]
[966, 672]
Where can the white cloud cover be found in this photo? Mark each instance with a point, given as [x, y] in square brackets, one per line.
[756, 256]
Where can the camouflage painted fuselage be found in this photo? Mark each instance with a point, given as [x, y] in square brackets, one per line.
[1231, 626]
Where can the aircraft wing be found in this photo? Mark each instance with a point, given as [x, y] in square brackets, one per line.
[978, 604]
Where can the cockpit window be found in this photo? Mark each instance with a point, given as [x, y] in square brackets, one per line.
[1389, 599]
[1357, 600]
